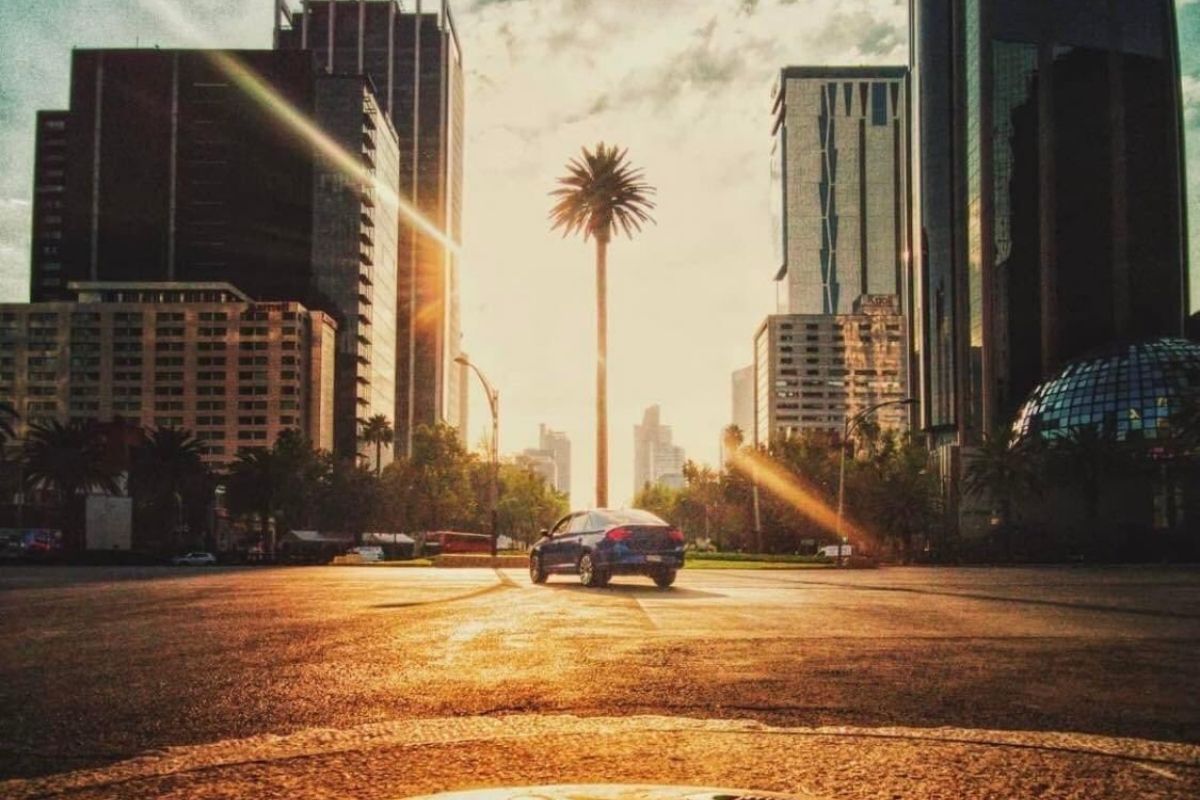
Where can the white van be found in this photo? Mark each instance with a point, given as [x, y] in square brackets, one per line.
[367, 553]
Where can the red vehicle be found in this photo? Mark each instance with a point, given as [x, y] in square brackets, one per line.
[446, 542]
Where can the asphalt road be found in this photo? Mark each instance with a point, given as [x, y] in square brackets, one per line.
[382, 682]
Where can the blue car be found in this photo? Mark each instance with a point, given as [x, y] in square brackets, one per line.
[598, 544]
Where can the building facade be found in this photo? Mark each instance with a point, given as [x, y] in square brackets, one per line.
[414, 62]
[656, 459]
[839, 171]
[813, 371]
[1049, 196]
[198, 356]
[175, 166]
[551, 459]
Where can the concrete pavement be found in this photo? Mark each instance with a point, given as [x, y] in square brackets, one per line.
[375, 682]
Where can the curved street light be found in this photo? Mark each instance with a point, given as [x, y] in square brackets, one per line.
[848, 427]
[493, 398]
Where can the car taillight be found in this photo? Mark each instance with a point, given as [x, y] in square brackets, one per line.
[676, 535]
[618, 534]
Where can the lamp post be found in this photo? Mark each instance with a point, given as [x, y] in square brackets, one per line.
[848, 428]
[493, 398]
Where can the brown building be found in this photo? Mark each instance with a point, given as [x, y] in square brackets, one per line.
[812, 371]
[199, 356]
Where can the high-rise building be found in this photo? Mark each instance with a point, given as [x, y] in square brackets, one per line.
[175, 166]
[551, 459]
[1049, 195]
[813, 371]
[741, 408]
[656, 459]
[839, 171]
[198, 356]
[558, 446]
[409, 56]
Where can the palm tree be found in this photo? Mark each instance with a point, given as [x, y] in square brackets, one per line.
[69, 461]
[601, 195]
[255, 486]
[167, 471]
[378, 431]
[1005, 470]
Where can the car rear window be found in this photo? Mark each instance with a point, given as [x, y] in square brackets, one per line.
[628, 516]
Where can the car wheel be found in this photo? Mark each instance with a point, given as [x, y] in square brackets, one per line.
[537, 573]
[664, 578]
[589, 574]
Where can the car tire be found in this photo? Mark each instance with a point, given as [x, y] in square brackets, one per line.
[663, 578]
[537, 573]
[589, 574]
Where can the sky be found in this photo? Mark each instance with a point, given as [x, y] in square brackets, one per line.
[683, 84]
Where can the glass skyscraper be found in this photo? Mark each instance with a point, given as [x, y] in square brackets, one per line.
[1048, 185]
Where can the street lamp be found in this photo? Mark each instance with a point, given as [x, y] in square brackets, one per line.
[493, 398]
[848, 428]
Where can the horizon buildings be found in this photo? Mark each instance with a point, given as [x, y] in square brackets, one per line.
[657, 461]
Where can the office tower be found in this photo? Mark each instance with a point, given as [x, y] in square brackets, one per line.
[813, 371]
[178, 166]
[741, 409]
[551, 459]
[839, 171]
[1049, 195]
[558, 446]
[199, 356]
[376, 38]
[656, 460]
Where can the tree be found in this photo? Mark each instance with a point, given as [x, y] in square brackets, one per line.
[167, 479]
[1087, 457]
[254, 488]
[439, 479]
[1005, 470]
[68, 461]
[601, 195]
[378, 431]
[658, 499]
[349, 498]
[527, 503]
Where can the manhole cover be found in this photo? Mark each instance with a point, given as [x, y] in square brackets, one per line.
[611, 792]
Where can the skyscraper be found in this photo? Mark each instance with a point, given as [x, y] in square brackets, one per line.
[406, 56]
[1049, 195]
[176, 166]
[656, 459]
[839, 170]
[558, 446]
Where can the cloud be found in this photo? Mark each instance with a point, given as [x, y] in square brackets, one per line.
[862, 33]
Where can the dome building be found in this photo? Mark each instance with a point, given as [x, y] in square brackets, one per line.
[1129, 393]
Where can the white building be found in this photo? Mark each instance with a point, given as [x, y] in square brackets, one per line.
[656, 460]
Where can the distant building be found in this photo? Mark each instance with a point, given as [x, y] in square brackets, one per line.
[742, 406]
[812, 371]
[656, 460]
[840, 185]
[169, 168]
[199, 356]
[552, 459]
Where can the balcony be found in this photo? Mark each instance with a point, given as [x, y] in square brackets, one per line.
[364, 236]
[364, 299]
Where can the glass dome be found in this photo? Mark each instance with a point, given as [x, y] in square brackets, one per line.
[1131, 392]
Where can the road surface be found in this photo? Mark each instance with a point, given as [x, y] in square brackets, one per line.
[387, 682]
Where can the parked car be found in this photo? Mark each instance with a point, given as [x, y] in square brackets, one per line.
[195, 560]
[598, 544]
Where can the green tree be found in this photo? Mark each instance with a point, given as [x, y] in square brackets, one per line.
[349, 498]
[658, 499]
[527, 503]
[167, 480]
[69, 461]
[1005, 470]
[254, 488]
[378, 431]
[438, 476]
[601, 195]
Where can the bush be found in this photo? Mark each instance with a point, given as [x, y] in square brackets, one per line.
[759, 557]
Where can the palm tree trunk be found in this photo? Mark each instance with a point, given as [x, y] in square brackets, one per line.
[601, 371]
[378, 455]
